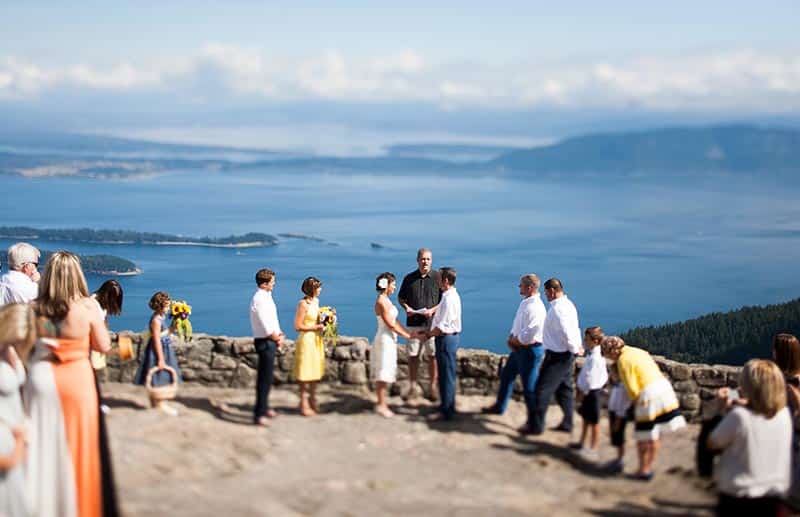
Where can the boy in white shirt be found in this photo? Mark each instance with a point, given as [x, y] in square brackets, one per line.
[591, 379]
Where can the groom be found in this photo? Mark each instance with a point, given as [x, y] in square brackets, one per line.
[445, 328]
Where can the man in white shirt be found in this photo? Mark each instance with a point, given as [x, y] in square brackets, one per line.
[562, 341]
[20, 284]
[525, 343]
[267, 339]
[445, 327]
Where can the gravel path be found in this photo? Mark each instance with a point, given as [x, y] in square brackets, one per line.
[351, 462]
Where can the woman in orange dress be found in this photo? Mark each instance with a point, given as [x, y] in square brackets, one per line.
[68, 467]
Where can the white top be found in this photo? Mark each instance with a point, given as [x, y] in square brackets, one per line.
[756, 460]
[562, 333]
[528, 322]
[594, 374]
[448, 316]
[264, 315]
[16, 287]
[618, 401]
[100, 309]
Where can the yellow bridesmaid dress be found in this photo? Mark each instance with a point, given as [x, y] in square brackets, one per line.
[309, 353]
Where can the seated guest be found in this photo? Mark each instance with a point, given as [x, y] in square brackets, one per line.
[655, 406]
[20, 284]
[786, 351]
[755, 437]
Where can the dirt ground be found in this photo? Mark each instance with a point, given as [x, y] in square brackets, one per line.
[349, 461]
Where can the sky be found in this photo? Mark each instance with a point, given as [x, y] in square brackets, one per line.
[318, 74]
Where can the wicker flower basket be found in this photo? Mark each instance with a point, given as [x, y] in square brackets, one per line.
[166, 392]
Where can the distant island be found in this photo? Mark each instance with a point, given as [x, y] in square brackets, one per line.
[729, 338]
[103, 265]
[87, 235]
[301, 236]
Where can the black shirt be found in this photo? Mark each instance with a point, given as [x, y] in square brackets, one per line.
[419, 292]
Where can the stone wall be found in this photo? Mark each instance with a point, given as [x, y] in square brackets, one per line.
[231, 361]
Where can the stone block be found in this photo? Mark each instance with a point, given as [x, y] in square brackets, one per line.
[223, 345]
[127, 371]
[690, 401]
[286, 362]
[215, 377]
[709, 377]
[685, 386]
[279, 377]
[402, 355]
[359, 349]
[244, 377]
[222, 362]
[332, 371]
[188, 374]
[250, 360]
[354, 373]
[243, 346]
[402, 372]
[342, 353]
[477, 364]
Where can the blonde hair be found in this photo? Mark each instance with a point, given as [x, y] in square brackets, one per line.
[611, 345]
[62, 283]
[18, 328]
[762, 384]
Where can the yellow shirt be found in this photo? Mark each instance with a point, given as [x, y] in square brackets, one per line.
[637, 370]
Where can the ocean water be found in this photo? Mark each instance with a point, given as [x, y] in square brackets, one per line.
[629, 252]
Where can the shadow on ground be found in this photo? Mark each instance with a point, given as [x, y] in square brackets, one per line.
[663, 508]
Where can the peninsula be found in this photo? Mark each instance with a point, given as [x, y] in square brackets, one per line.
[90, 236]
[103, 265]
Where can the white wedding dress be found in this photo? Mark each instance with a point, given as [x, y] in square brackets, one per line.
[383, 357]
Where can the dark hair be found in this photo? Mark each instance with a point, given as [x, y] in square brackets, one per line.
[310, 286]
[449, 274]
[595, 334]
[554, 283]
[786, 348]
[109, 296]
[158, 300]
[388, 276]
[263, 276]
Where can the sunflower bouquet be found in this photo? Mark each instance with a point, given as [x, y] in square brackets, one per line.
[180, 312]
[327, 316]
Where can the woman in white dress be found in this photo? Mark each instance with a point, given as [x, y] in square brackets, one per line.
[383, 357]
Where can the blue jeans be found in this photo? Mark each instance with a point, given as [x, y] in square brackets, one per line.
[446, 347]
[524, 362]
[555, 378]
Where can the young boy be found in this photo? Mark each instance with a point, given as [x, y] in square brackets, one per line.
[591, 379]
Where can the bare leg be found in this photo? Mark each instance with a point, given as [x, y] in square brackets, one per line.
[434, 374]
[641, 448]
[584, 429]
[413, 374]
[305, 408]
[381, 407]
[592, 436]
[312, 399]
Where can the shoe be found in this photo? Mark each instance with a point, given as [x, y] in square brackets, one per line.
[575, 446]
[614, 467]
[562, 428]
[642, 476]
[167, 409]
[385, 412]
[262, 421]
[589, 455]
[270, 413]
[491, 410]
[439, 417]
[527, 430]
[105, 409]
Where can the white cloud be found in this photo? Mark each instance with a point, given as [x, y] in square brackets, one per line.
[737, 80]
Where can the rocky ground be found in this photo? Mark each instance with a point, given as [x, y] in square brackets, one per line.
[348, 461]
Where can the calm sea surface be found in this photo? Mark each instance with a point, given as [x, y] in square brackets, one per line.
[628, 252]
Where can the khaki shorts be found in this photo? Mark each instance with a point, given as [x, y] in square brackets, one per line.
[427, 348]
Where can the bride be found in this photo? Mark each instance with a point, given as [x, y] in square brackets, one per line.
[383, 358]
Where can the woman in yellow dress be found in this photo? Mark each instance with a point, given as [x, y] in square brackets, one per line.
[309, 354]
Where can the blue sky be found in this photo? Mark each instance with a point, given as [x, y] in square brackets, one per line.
[185, 69]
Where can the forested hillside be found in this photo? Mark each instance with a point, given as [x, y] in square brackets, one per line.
[728, 338]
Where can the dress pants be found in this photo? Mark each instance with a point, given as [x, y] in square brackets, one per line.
[265, 348]
[524, 362]
[446, 347]
[555, 378]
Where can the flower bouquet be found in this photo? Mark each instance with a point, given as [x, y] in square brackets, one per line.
[179, 313]
[327, 316]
